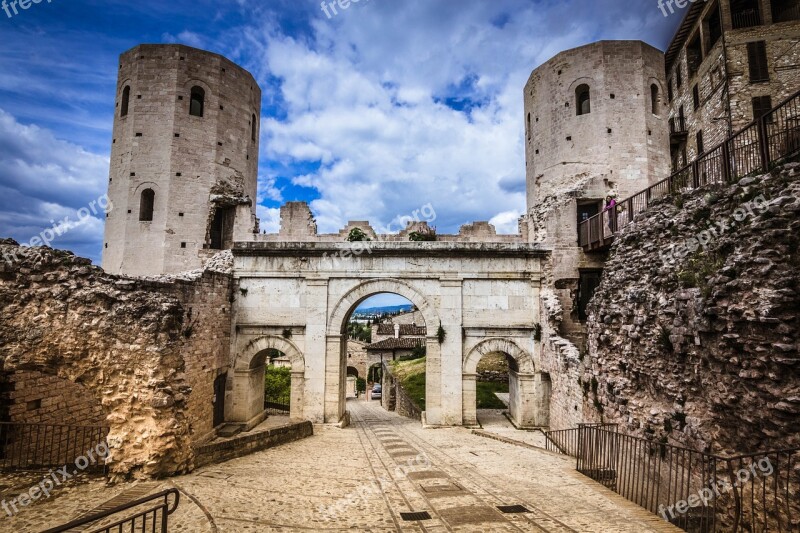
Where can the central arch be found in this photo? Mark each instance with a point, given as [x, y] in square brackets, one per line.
[336, 353]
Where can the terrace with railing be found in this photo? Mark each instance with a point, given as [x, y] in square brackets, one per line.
[755, 149]
[697, 492]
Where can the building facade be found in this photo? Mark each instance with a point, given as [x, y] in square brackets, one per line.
[730, 62]
[184, 160]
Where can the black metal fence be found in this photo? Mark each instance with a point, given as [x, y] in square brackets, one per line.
[698, 492]
[33, 446]
[755, 149]
[152, 518]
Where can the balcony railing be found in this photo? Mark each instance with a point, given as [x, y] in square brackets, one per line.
[786, 13]
[746, 18]
[677, 126]
[755, 149]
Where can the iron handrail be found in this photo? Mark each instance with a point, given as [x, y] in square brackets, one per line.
[165, 505]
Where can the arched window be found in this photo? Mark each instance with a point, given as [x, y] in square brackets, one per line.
[583, 100]
[253, 128]
[654, 98]
[198, 101]
[146, 204]
[126, 99]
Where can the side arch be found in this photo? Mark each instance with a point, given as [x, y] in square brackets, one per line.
[362, 291]
[498, 345]
[254, 354]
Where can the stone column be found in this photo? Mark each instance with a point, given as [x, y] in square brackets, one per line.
[447, 380]
[296, 402]
[522, 404]
[247, 404]
[469, 394]
[316, 344]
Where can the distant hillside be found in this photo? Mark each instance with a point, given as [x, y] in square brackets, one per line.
[387, 309]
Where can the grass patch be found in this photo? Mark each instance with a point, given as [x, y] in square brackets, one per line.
[278, 384]
[485, 395]
[412, 376]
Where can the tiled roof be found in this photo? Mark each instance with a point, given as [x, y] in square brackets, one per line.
[405, 329]
[396, 344]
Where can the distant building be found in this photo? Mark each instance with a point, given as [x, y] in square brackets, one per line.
[394, 341]
[730, 62]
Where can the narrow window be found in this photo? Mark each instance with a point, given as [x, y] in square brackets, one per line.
[761, 106]
[654, 98]
[785, 10]
[198, 102]
[528, 129]
[126, 99]
[694, 55]
[757, 57]
[678, 76]
[253, 128]
[146, 204]
[583, 99]
[696, 97]
[670, 93]
[700, 148]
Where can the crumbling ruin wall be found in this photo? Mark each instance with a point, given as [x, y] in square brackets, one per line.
[144, 349]
[693, 333]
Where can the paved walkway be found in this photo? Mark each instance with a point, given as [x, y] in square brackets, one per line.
[364, 477]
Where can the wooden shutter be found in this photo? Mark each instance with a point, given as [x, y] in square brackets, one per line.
[757, 56]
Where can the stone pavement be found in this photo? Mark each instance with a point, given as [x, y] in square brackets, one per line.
[363, 477]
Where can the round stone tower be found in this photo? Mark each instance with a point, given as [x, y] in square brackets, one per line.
[184, 160]
[596, 123]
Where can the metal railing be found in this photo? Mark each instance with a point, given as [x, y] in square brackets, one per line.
[698, 492]
[677, 126]
[785, 13]
[758, 147]
[33, 446]
[746, 18]
[153, 519]
[566, 441]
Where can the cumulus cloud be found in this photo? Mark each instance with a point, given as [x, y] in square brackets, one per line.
[44, 182]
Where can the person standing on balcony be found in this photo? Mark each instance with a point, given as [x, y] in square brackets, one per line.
[611, 213]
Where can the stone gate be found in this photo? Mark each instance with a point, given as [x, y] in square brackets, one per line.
[297, 297]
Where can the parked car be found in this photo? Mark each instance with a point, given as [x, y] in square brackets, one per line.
[376, 392]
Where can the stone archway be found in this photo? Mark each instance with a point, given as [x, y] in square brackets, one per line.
[525, 405]
[336, 348]
[247, 405]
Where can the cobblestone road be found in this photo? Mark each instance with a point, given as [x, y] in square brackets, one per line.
[363, 478]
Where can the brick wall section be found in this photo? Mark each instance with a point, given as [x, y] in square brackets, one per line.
[61, 401]
[206, 351]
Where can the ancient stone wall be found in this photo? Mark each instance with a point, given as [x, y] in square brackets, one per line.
[144, 350]
[694, 330]
[37, 398]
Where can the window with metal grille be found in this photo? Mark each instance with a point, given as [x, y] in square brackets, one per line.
[761, 106]
[745, 13]
[757, 57]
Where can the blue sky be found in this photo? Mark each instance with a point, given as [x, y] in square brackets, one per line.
[368, 115]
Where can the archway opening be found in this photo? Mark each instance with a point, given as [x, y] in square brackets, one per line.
[386, 337]
[277, 372]
[492, 387]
